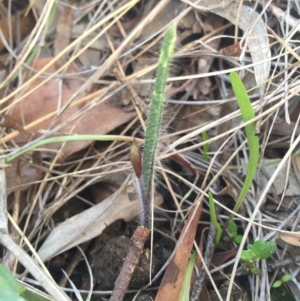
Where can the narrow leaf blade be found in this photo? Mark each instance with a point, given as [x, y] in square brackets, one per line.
[156, 106]
[247, 113]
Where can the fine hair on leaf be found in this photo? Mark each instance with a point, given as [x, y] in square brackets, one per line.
[154, 124]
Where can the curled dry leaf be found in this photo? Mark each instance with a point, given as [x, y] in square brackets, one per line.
[232, 50]
[256, 39]
[90, 223]
[220, 258]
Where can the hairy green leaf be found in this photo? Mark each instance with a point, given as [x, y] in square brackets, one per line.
[155, 118]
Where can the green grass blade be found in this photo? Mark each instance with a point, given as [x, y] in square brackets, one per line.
[67, 138]
[213, 217]
[156, 112]
[186, 284]
[11, 289]
[253, 141]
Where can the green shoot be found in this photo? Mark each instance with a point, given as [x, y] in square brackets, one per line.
[259, 250]
[154, 120]
[186, 284]
[285, 278]
[213, 217]
[253, 141]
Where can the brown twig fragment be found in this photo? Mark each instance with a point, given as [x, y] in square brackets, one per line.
[137, 244]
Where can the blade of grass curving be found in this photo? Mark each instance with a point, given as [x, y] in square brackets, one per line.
[66, 138]
[154, 120]
[247, 113]
[186, 285]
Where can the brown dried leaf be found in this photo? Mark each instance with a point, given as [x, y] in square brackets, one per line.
[230, 189]
[293, 239]
[170, 286]
[63, 32]
[52, 96]
[220, 258]
[205, 296]
[21, 27]
[232, 50]
[136, 159]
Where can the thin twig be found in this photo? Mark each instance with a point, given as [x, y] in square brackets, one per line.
[135, 250]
